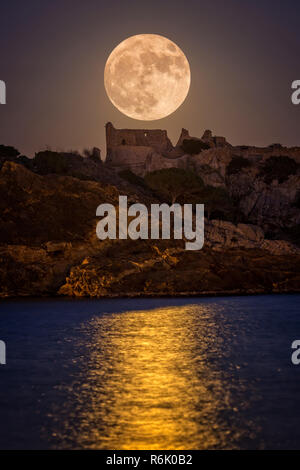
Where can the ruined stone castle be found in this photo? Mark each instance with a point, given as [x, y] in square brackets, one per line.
[155, 138]
[144, 150]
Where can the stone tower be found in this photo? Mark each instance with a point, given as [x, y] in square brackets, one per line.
[155, 138]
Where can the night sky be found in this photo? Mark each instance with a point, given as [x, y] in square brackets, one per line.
[243, 54]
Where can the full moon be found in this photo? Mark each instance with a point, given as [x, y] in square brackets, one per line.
[147, 77]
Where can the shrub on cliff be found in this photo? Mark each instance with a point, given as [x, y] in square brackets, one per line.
[48, 161]
[296, 202]
[275, 146]
[193, 146]
[236, 164]
[132, 178]
[278, 168]
[7, 151]
[294, 234]
[94, 154]
[217, 203]
[171, 183]
[27, 162]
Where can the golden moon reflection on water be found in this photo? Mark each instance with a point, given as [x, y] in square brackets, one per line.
[147, 77]
[154, 379]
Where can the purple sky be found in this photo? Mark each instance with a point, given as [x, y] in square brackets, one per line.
[243, 55]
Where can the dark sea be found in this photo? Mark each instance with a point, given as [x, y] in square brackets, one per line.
[210, 373]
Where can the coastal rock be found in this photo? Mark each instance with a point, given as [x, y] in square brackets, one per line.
[139, 270]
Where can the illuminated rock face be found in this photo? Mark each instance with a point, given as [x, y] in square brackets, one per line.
[272, 204]
[2, 92]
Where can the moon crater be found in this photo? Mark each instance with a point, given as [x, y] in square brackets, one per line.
[147, 77]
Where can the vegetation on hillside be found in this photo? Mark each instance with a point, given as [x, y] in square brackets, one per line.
[93, 153]
[194, 146]
[236, 164]
[297, 200]
[177, 184]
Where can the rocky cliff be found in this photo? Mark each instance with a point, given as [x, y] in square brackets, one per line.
[263, 182]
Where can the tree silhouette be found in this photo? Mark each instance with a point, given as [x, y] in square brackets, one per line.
[171, 183]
